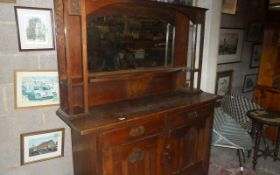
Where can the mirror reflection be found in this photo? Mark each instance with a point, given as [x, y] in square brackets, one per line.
[122, 42]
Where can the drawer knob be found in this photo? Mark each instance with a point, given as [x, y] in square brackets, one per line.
[136, 155]
[137, 131]
[192, 115]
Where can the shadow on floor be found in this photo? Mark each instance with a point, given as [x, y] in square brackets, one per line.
[224, 161]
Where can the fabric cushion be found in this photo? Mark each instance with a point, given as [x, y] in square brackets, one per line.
[228, 133]
[237, 106]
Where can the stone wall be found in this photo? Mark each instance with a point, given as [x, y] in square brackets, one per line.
[248, 11]
[15, 122]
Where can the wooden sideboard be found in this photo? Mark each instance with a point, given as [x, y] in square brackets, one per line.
[130, 87]
[168, 134]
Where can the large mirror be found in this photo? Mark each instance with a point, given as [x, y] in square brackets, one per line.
[122, 42]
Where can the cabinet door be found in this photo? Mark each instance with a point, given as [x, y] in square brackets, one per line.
[186, 149]
[138, 158]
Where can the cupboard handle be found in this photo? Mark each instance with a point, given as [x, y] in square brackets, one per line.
[192, 115]
[136, 155]
[166, 157]
[137, 131]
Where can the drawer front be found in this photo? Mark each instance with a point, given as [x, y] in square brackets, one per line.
[133, 130]
[185, 117]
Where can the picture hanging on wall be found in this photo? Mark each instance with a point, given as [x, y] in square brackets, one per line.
[229, 7]
[230, 45]
[42, 145]
[35, 28]
[9, 1]
[223, 82]
[250, 81]
[255, 32]
[274, 4]
[34, 88]
[256, 56]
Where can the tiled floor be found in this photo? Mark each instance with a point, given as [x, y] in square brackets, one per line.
[224, 161]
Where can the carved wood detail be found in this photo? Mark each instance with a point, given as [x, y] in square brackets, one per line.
[60, 38]
[74, 7]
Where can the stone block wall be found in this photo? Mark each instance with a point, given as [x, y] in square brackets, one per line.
[248, 11]
[14, 122]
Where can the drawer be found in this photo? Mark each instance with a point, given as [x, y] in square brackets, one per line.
[133, 130]
[186, 117]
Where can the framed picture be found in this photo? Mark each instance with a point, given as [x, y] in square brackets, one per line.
[256, 56]
[255, 32]
[35, 28]
[40, 146]
[229, 7]
[250, 81]
[223, 82]
[230, 46]
[9, 1]
[34, 88]
[274, 4]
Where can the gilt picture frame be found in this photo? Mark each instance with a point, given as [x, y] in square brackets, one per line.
[230, 45]
[8, 1]
[42, 145]
[223, 82]
[229, 7]
[35, 28]
[36, 88]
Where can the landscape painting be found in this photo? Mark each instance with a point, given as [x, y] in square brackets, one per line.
[38, 146]
[36, 88]
[230, 45]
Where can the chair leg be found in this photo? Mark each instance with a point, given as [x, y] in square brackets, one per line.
[249, 153]
[240, 162]
[243, 155]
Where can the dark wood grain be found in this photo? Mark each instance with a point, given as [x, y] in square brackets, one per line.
[267, 92]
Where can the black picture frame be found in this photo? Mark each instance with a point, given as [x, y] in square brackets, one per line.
[250, 81]
[223, 82]
[35, 33]
[255, 32]
[256, 56]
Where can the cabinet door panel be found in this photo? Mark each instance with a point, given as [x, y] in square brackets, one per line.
[183, 147]
[138, 158]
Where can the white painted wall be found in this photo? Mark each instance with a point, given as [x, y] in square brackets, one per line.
[211, 41]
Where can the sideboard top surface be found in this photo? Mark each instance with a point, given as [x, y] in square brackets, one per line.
[110, 115]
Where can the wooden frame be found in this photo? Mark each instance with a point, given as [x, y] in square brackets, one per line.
[28, 83]
[230, 45]
[35, 28]
[255, 31]
[229, 7]
[223, 82]
[8, 1]
[274, 4]
[256, 56]
[43, 145]
[250, 80]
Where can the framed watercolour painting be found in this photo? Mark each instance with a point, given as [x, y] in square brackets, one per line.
[229, 7]
[40, 146]
[35, 28]
[36, 88]
[256, 56]
[250, 81]
[223, 82]
[230, 45]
